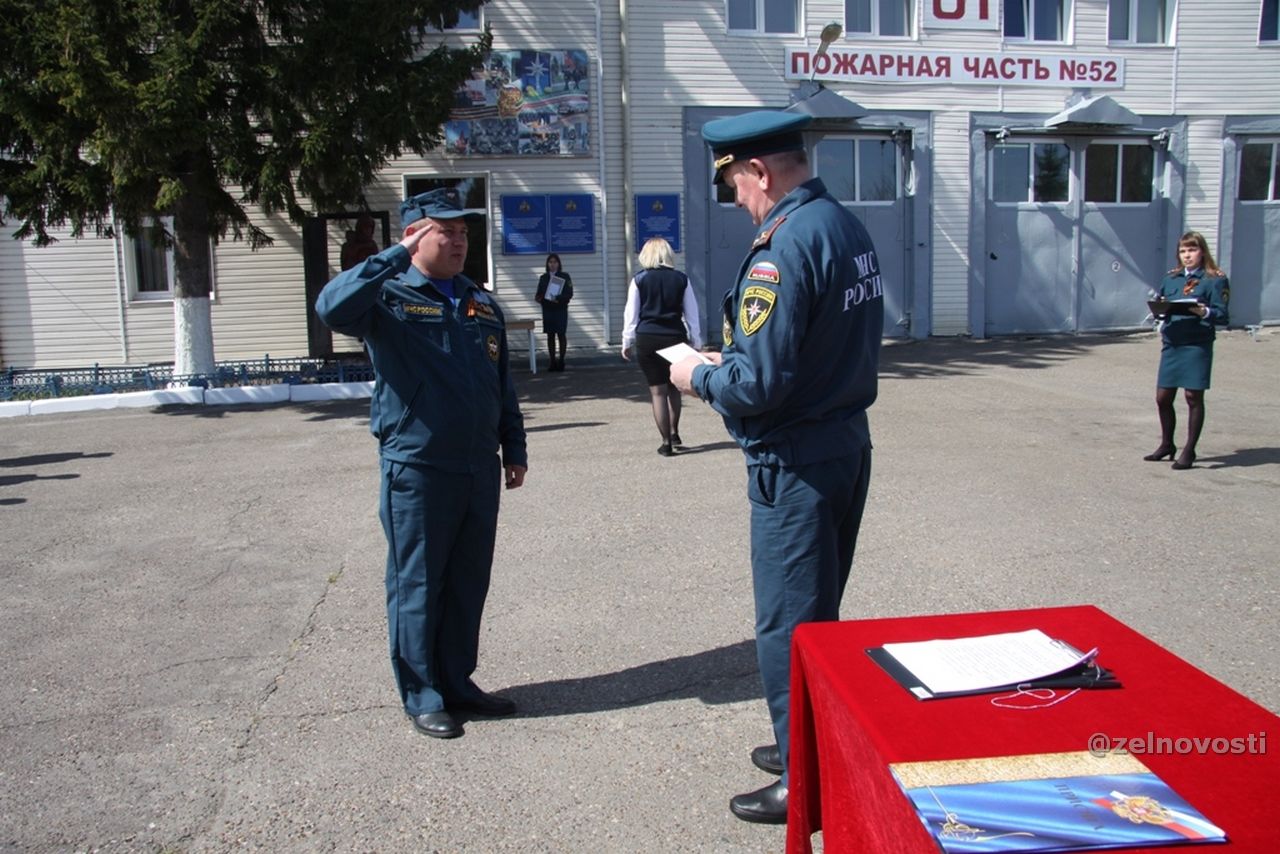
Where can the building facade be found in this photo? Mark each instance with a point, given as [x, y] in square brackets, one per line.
[1025, 167]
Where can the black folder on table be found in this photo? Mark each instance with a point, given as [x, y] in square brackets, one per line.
[1084, 675]
[1165, 308]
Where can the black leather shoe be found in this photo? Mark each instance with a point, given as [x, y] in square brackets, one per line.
[665, 450]
[676, 441]
[763, 806]
[488, 705]
[768, 758]
[437, 725]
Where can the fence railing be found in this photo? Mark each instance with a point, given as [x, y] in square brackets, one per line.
[39, 384]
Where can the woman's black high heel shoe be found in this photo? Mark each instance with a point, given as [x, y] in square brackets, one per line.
[1160, 453]
[1186, 461]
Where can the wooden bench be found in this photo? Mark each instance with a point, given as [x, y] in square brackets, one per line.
[527, 326]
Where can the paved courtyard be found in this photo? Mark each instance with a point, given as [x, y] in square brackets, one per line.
[193, 650]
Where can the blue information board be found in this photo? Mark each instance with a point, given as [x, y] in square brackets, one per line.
[562, 223]
[572, 222]
[658, 215]
[524, 225]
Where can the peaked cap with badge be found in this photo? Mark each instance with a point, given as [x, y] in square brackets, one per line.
[441, 203]
[753, 134]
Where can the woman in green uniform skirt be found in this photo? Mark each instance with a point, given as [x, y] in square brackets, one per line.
[1186, 357]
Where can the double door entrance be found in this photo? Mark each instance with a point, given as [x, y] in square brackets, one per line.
[1075, 233]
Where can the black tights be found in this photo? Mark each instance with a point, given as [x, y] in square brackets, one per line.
[1169, 420]
[666, 410]
[552, 337]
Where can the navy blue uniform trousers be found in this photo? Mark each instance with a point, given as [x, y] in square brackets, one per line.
[804, 529]
[440, 529]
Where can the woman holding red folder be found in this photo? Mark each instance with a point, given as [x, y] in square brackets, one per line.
[1186, 354]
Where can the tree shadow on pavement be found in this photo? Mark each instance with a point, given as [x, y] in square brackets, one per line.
[944, 357]
[717, 676]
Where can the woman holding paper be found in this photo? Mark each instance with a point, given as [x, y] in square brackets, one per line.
[662, 311]
[555, 289]
[1186, 354]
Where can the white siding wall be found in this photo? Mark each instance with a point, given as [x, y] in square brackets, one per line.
[58, 303]
[950, 280]
[1204, 179]
[60, 306]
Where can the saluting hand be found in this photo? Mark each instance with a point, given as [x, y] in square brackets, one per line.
[413, 235]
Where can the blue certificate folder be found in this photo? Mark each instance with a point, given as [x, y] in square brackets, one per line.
[1049, 802]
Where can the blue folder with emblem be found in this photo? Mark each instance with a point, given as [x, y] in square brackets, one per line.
[1049, 802]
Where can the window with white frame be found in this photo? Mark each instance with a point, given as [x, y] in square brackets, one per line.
[1037, 20]
[474, 190]
[858, 170]
[1140, 21]
[1269, 26]
[878, 17]
[1260, 172]
[148, 260]
[763, 16]
[1038, 172]
[1119, 173]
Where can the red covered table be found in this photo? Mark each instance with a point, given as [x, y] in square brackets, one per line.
[850, 720]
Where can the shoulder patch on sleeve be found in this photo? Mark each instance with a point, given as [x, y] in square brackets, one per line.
[764, 271]
[767, 234]
[757, 305]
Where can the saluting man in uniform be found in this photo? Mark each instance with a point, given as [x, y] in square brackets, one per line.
[443, 407]
[802, 328]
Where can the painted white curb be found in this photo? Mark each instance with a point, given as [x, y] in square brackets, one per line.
[277, 393]
[330, 391]
[162, 397]
[74, 404]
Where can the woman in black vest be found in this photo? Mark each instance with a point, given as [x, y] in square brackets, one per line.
[662, 310]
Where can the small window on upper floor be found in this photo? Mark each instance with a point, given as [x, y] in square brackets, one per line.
[1140, 21]
[763, 16]
[467, 21]
[1037, 20]
[1269, 28]
[887, 18]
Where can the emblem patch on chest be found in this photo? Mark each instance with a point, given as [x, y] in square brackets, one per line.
[493, 347]
[764, 271]
[757, 305]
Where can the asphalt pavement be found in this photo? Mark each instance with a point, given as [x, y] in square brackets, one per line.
[193, 654]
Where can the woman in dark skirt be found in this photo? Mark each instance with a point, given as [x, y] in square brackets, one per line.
[662, 310]
[1186, 355]
[555, 309]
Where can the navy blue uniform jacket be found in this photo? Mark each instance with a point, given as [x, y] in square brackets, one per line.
[802, 335]
[443, 395]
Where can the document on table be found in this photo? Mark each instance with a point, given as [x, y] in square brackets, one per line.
[968, 665]
[680, 352]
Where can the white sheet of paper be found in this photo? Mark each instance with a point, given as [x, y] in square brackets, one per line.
[680, 352]
[554, 286]
[988, 661]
